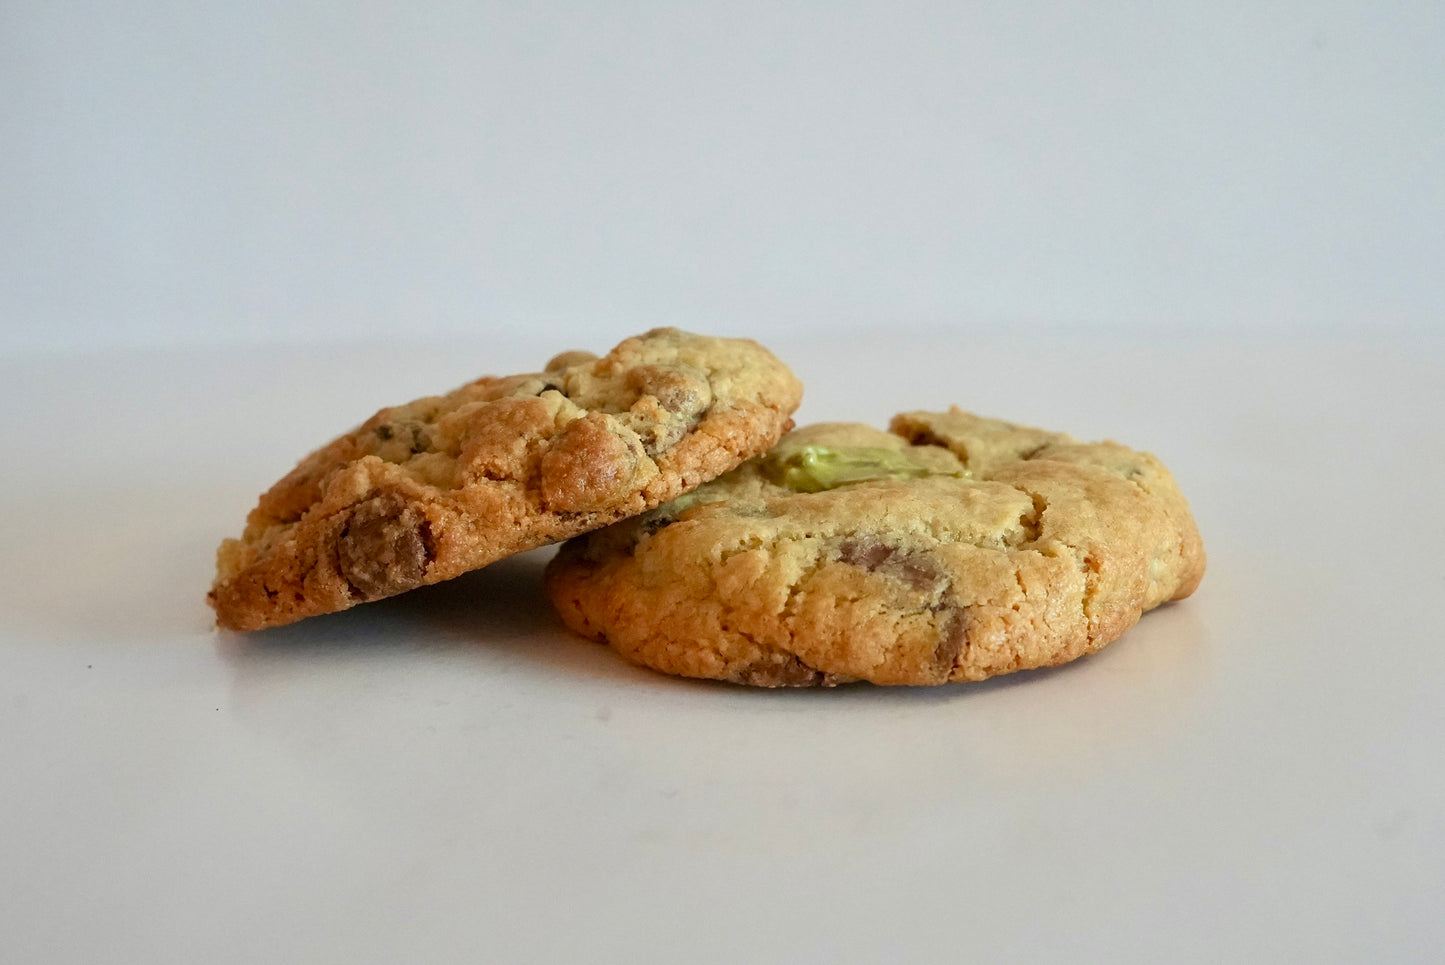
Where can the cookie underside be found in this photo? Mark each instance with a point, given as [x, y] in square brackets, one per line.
[1016, 548]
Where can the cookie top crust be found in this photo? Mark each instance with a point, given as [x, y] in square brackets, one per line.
[951, 548]
[426, 491]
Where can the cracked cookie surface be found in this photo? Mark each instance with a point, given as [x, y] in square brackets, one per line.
[426, 491]
[974, 547]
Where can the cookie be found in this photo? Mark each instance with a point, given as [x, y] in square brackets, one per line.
[951, 548]
[426, 491]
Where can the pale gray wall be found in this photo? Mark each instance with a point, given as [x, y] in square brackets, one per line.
[200, 170]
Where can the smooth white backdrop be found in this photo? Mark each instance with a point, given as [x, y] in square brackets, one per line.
[201, 171]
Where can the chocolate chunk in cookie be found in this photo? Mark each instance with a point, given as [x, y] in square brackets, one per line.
[385, 548]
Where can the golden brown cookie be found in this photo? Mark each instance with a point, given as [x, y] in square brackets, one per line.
[426, 491]
[953, 548]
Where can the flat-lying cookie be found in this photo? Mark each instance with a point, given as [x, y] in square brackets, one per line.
[426, 491]
[955, 548]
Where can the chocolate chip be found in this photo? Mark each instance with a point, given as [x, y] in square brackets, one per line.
[879, 557]
[951, 640]
[868, 554]
[413, 434]
[385, 548]
[778, 669]
[681, 390]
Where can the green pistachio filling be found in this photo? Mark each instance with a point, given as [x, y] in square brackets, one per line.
[813, 469]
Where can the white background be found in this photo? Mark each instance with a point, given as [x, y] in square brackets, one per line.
[199, 171]
[228, 232]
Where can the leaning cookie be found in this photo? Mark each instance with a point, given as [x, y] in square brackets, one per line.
[955, 548]
[426, 491]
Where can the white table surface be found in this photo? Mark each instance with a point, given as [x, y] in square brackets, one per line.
[1255, 773]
